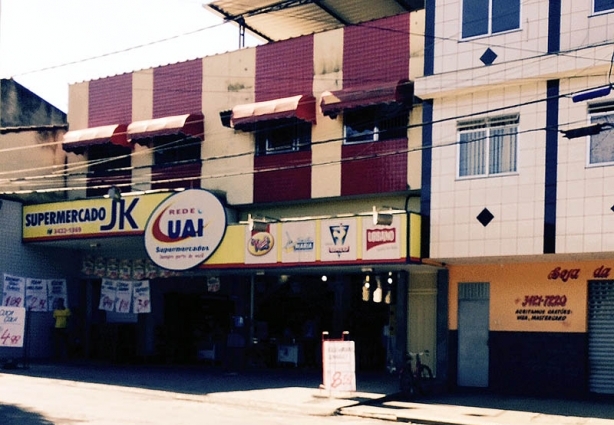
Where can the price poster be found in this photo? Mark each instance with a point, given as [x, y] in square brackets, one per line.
[13, 294]
[141, 298]
[123, 296]
[12, 326]
[56, 289]
[107, 295]
[36, 294]
[339, 365]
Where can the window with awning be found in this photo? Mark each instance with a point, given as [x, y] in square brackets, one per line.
[371, 113]
[188, 125]
[78, 141]
[279, 125]
[335, 102]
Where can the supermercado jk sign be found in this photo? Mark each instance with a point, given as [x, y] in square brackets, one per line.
[185, 229]
[89, 218]
[181, 230]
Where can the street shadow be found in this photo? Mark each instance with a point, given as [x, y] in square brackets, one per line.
[13, 415]
[601, 407]
[195, 380]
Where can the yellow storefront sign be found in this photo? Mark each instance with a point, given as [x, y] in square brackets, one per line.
[89, 218]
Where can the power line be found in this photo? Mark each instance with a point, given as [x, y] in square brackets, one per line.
[147, 178]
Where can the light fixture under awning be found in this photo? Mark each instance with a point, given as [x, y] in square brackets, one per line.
[77, 140]
[301, 107]
[188, 125]
[334, 102]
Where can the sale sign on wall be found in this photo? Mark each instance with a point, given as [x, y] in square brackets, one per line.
[12, 326]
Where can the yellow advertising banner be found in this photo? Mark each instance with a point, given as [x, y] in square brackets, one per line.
[89, 218]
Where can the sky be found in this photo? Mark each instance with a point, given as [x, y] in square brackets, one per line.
[45, 45]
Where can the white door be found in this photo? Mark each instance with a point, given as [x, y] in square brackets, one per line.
[473, 352]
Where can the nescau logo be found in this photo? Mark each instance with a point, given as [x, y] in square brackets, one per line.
[185, 229]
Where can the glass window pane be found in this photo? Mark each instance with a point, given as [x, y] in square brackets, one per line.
[603, 5]
[472, 154]
[503, 150]
[475, 17]
[601, 147]
[505, 15]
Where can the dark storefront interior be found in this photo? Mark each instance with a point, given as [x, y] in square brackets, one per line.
[191, 325]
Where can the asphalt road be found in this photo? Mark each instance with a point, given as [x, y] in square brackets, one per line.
[32, 401]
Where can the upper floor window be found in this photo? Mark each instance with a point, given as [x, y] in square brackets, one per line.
[174, 150]
[483, 17]
[603, 5]
[488, 146]
[109, 165]
[601, 145]
[282, 136]
[375, 123]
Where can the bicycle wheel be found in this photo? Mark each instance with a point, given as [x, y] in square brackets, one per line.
[425, 380]
[406, 384]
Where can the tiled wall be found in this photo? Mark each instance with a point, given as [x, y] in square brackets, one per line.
[380, 167]
[516, 201]
[22, 260]
[283, 69]
[177, 89]
[110, 101]
[585, 219]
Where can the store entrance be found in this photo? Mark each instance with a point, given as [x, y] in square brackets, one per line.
[291, 312]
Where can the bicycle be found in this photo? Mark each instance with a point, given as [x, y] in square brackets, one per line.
[415, 380]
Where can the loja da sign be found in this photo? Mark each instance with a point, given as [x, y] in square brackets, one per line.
[339, 365]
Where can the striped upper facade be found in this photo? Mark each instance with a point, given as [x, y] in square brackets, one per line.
[500, 90]
[267, 157]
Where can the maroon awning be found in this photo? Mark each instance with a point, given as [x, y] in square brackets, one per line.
[78, 140]
[301, 107]
[334, 102]
[187, 125]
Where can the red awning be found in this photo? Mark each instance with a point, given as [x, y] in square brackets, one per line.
[187, 125]
[334, 102]
[300, 107]
[78, 140]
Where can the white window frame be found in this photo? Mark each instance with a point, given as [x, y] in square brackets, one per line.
[599, 113]
[485, 129]
[489, 31]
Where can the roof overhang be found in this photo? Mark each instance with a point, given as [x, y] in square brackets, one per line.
[334, 102]
[78, 140]
[301, 107]
[274, 20]
[191, 125]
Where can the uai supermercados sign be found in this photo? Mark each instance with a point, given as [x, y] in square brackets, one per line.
[185, 229]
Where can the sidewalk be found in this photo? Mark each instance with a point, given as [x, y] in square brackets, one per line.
[298, 391]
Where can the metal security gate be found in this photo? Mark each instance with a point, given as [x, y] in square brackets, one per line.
[473, 351]
[601, 336]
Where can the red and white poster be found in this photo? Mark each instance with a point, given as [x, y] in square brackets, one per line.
[36, 295]
[56, 289]
[381, 242]
[107, 295]
[339, 363]
[123, 296]
[14, 289]
[141, 301]
[12, 326]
